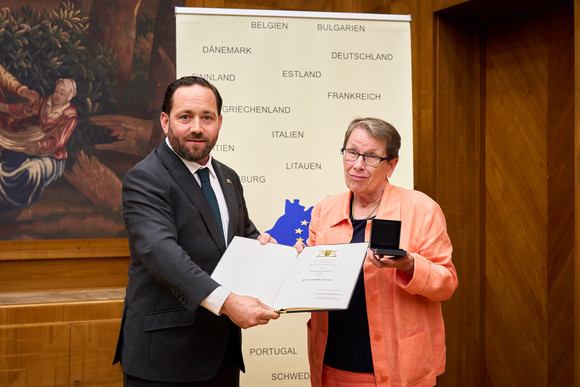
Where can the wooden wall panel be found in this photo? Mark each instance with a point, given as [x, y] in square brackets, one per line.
[45, 313]
[44, 275]
[560, 139]
[63, 248]
[34, 355]
[292, 5]
[92, 347]
[516, 203]
[529, 241]
[54, 344]
[458, 132]
[576, 169]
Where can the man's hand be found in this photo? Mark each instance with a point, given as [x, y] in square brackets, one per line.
[247, 312]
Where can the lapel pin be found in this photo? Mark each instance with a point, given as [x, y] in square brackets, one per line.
[228, 181]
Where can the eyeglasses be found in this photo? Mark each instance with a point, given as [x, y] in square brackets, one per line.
[351, 156]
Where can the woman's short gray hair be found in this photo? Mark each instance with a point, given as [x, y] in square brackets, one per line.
[379, 129]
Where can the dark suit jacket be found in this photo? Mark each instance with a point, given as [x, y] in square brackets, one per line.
[175, 244]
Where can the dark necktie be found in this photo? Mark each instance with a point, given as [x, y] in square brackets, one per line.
[210, 194]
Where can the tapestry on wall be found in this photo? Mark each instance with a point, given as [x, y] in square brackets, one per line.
[81, 86]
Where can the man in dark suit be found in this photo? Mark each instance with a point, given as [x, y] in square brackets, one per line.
[180, 327]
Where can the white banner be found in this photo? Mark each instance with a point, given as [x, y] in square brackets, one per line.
[291, 83]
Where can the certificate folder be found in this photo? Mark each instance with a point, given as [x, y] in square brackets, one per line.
[319, 278]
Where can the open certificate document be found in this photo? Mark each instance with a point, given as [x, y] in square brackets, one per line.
[320, 278]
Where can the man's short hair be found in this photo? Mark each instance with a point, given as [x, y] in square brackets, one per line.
[189, 80]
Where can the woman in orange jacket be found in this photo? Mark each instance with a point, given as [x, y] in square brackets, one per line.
[392, 334]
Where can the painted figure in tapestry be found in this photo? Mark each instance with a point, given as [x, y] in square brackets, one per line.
[33, 136]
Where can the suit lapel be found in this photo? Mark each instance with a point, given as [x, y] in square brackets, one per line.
[185, 180]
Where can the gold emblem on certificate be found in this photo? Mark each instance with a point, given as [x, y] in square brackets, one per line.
[327, 253]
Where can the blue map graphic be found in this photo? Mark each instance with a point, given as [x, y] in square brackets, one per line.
[293, 225]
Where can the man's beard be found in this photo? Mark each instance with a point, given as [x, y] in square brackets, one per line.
[179, 146]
